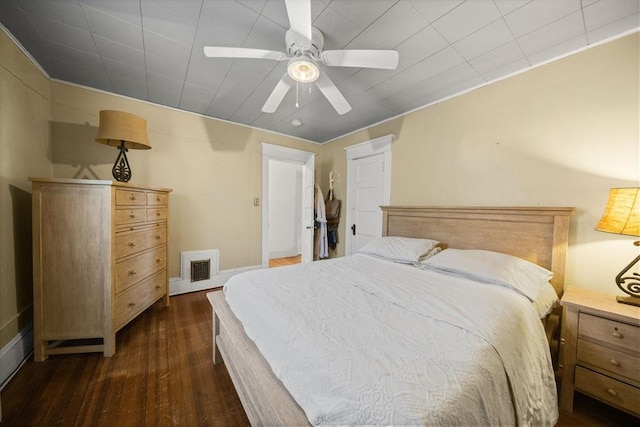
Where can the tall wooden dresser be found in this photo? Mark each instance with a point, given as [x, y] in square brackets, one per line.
[99, 259]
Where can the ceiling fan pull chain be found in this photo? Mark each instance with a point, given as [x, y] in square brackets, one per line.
[297, 106]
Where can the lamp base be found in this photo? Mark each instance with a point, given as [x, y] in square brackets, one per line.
[629, 300]
[121, 170]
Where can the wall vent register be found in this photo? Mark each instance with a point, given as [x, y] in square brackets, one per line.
[200, 270]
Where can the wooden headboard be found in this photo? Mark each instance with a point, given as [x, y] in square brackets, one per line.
[537, 234]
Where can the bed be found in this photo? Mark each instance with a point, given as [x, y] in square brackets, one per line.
[456, 380]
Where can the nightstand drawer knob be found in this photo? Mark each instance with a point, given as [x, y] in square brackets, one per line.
[132, 304]
[614, 362]
[132, 215]
[158, 260]
[132, 272]
[132, 244]
[612, 392]
[617, 334]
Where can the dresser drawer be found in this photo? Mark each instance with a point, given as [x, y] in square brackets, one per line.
[611, 360]
[133, 270]
[130, 198]
[157, 214]
[132, 302]
[130, 216]
[608, 390]
[156, 199]
[138, 241]
[620, 335]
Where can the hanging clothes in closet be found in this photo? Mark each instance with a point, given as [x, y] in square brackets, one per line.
[332, 211]
[320, 247]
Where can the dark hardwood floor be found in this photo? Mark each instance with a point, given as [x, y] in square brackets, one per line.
[162, 374]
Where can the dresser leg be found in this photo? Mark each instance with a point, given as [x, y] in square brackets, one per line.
[38, 350]
[109, 345]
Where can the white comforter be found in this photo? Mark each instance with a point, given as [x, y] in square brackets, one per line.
[359, 340]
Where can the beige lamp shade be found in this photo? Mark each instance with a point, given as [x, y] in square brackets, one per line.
[622, 213]
[118, 126]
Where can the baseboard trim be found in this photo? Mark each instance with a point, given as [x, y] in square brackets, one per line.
[15, 353]
[179, 286]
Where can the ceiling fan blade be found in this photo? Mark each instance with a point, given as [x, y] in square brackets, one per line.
[387, 59]
[299, 12]
[242, 52]
[333, 95]
[278, 94]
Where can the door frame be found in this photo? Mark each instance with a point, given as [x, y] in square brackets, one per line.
[288, 155]
[381, 145]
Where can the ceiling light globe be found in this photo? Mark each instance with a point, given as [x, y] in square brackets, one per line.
[303, 70]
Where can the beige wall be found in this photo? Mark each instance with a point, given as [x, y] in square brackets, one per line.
[24, 141]
[213, 167]
[559, 135]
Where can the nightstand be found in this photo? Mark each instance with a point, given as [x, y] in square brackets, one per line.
[600, 349]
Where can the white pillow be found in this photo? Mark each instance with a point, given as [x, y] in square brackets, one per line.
[399, 249]
[492, 267]
[545, 300]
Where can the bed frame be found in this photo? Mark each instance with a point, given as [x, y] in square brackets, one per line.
[537, 234]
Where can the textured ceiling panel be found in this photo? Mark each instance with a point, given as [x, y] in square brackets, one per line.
[153, 50]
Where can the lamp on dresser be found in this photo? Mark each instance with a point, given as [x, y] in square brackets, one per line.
[622, 216]
[125, 131]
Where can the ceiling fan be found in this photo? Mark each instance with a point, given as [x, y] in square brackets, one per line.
[304, 51]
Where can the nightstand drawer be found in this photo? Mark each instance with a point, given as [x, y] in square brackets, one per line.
[138, 241]
[608, 359]
[130, 198]
[620, 335]
[608, 390]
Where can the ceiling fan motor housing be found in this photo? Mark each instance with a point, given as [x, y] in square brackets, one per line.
[296, 49]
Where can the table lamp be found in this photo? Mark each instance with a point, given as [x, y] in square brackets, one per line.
[622, 216]
[122, 130]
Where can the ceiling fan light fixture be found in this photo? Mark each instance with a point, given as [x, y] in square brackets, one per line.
[303, 70]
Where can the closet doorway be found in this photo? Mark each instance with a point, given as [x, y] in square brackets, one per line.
[287, 205]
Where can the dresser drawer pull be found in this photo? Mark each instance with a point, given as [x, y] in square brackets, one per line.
[157, 213]
[158, 260]
[157, 237]
[132, 214]
[158, 286]
[157, 198]
[617, 335]
[612, 392]
[614, 362]
[132, 304]
[132, 244]
[133, 197]
[132, 272]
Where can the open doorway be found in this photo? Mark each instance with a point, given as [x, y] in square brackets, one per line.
[285, 213]
[288, 176]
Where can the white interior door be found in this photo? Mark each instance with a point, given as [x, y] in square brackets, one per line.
[307, 210]
[368, 188]
[368, 196]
